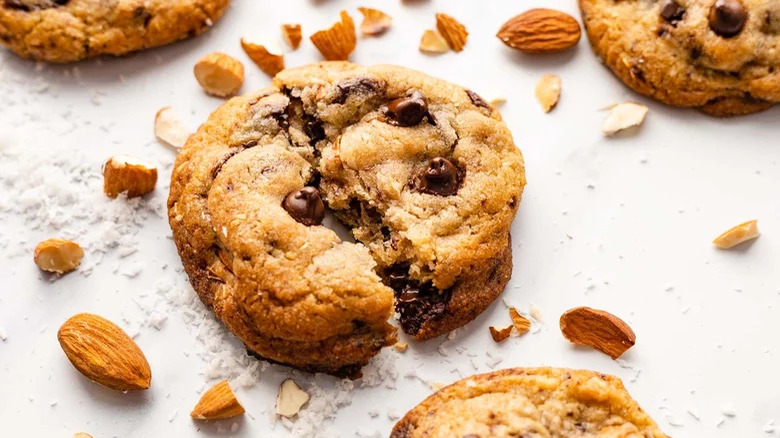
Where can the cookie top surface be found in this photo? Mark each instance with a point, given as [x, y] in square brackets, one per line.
[533, 403]
[71, 30]
[722, 56]
[424, 173]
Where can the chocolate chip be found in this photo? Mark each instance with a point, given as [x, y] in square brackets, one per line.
[727, 18]
[415, 302]
[671, 11]
[313, 129]
[305, 206]
[406, 111]
[439, 178]
[356, 86]
[477, 100]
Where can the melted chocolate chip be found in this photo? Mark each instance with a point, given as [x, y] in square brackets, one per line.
[406, 111]
[305, 206]
[671, 11]
[439, 178]
[415, 302]
[33, 5]
[727, 18]
[477, 100]
[356, 86]
[313, 129]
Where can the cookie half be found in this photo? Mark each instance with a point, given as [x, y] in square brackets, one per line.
[423, 172]
[530, 402]
[71, 30]
[720, 56]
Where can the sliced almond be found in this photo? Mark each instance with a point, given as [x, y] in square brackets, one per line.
[400, 346]
[736, 235]
[126, 174]
[57, 255]
[290, 399]
[375, 22]
[501, 334]
[292, 35]
[548, 91]
[540, 31]
[522, 324]
[267, 55]
[169, 128]
[219, 74]
[433, 42]
[597, 329]
[337, 42]
[453, 32]
[217, 403]
[623, 116]
[104, 353]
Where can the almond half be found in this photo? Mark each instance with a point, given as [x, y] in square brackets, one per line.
[597, 329]
[267, 55]
[290, 399]
[126, 174]
[453, 32]
[375, 22]
[57, 255]
[292, 35]
[548, 91]
[433, 42]
[217, 403]
[104, 353]
[736, 235]
[540, 31]
[219, 74]
[169, 128]
[337, 42]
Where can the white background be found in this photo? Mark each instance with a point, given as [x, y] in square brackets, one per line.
[623, 224]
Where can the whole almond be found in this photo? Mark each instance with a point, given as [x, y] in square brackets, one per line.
[217, 403]
[597, 329]
[540, 31]
[104, 353]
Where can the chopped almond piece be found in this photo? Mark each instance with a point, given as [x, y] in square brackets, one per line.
[453, 32]
[401, 346]
[337, 42]
[217, 403]
[501, 334]
[497, 101]
[219, 74]
[268, 56]
[126, 174]
[169, 128]
[292, 35]
[290, 399]
[522, 324]
[623, 116]
[57, 255]
[736, 235]
[375, 22]
[433, 42]
[548, 91]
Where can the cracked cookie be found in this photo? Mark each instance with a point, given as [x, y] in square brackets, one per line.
[720, 56]
[423, 172]
[71, 30]
[532, 403]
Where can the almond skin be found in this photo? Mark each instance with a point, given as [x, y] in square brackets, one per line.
[540, 31]
[104, 353]
[217, 403]
[597, 329]
[452, 30]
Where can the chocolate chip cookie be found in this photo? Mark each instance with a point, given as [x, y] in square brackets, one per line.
[532, 403]
[71, 30]
[721, 56]
[423, 172]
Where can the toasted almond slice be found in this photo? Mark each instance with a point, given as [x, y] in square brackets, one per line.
[57, 255]
[736, 235]
[219, 74]
[375, 22]
[290, 399]
[104, 353]
[522, 324]
[623, 116]
[292, 35]
[501, 334]
[433, 42]
[453, 32]
[126, 174]
[267, 55]
[548, 91]
[337, 42]
[169, 128]
[401, 346]
[597, 329]
[217, 403]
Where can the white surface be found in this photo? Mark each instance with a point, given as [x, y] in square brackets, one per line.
[622, 224]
